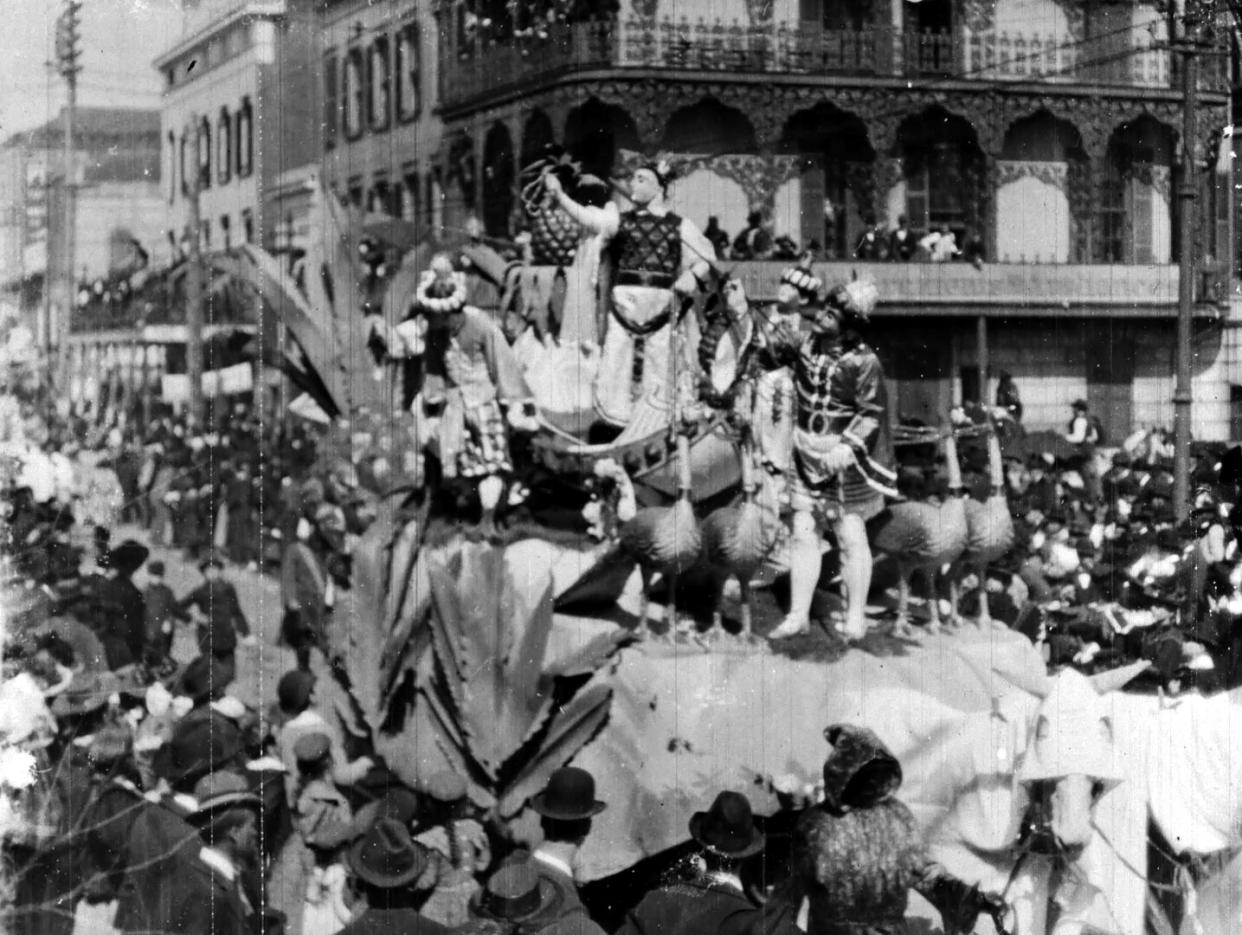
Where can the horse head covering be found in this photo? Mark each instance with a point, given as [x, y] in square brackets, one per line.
[1073, 734]
[860, 772]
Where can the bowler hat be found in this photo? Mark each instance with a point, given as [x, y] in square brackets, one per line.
[1079, 404]
[219, 790]
[397, 804]
[294, 689]
[387, 857]
[516, 892]
[128, 557]
[568, 796]
[728, 827]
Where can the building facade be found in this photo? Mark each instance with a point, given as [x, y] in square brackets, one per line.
[381, 130]
[1044, 133]
[241, 109]
[119, 215]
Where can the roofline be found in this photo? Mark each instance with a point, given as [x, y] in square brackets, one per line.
[266, 8]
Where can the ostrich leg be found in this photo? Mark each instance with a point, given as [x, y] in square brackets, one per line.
[644, 617]
[901, 628]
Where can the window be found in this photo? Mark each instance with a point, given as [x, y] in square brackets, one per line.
[245, 139]
[331, 102]
[408, 87]
[206, 241]
[409, 196]
[225, 229]
[355, 94]
[204, 153]
[182, 174]
[379, 84]
[224, 146]
[355, 192]
[435, 201]
[172, 166]
[247, 219]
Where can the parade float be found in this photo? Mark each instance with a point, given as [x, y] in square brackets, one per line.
[456, 650]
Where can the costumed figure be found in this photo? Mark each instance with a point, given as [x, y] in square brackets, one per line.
[841, 468]
[859, 852]
[656, 253]
[471, 383]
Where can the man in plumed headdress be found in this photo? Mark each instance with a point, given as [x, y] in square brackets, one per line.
[842, 464]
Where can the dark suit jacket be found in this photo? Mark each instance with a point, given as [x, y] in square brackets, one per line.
[209, 904]
[691, 908]
[393, 922]
[160, 847]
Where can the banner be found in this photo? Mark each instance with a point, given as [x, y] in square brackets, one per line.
[175, 387]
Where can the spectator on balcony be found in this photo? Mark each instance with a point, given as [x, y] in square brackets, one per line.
[755, 242]
[871, 245]
[972, 248]
[717, 236]
[902, 242]
[1007, 397]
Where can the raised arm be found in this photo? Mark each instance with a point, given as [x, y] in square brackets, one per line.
[603, 220]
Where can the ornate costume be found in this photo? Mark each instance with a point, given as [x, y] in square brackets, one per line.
[470, 376]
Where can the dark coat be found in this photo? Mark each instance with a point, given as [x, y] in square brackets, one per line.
[123, 615]
[161, 607]
[209, 904]
[393, 922]
[696, 907]
[218, 601]
[160, 846]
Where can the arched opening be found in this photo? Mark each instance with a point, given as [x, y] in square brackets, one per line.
[595, 131]
[945, 174]
[498, 180]
[837, 193]
[709, 128]
[537, 135]
[1043, 196]
[1135, 217]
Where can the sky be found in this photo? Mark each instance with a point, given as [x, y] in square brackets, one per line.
[120, 38]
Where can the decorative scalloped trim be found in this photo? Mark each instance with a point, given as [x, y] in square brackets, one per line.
[449, 303]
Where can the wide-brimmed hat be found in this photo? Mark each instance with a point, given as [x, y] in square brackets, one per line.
[568, 796]
[128, 557]
[728, 827]
[202, 678]
[220, 790]
[387, 857]
[87, 692]
[517, 892]
[197, 748]
[398, 803]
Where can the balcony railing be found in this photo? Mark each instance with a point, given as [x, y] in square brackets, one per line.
[996, 288]
[476, 62]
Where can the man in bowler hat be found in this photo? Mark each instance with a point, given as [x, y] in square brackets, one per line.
[711, 899]
[390, 873]
[565, 807]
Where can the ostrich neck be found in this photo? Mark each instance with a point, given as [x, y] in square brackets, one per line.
[951, 462]
[996, 469]
[684, 479]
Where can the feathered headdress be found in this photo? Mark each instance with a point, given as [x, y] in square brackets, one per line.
[857, 298]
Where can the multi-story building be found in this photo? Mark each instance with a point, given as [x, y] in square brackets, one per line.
[381, 133]
[241, 108]
[1044, 132]
[119, 214]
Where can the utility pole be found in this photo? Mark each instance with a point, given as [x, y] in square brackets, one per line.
[1186, 191]
[67, 54]
[194, 279]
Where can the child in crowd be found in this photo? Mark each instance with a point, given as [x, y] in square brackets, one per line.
[162, 610]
